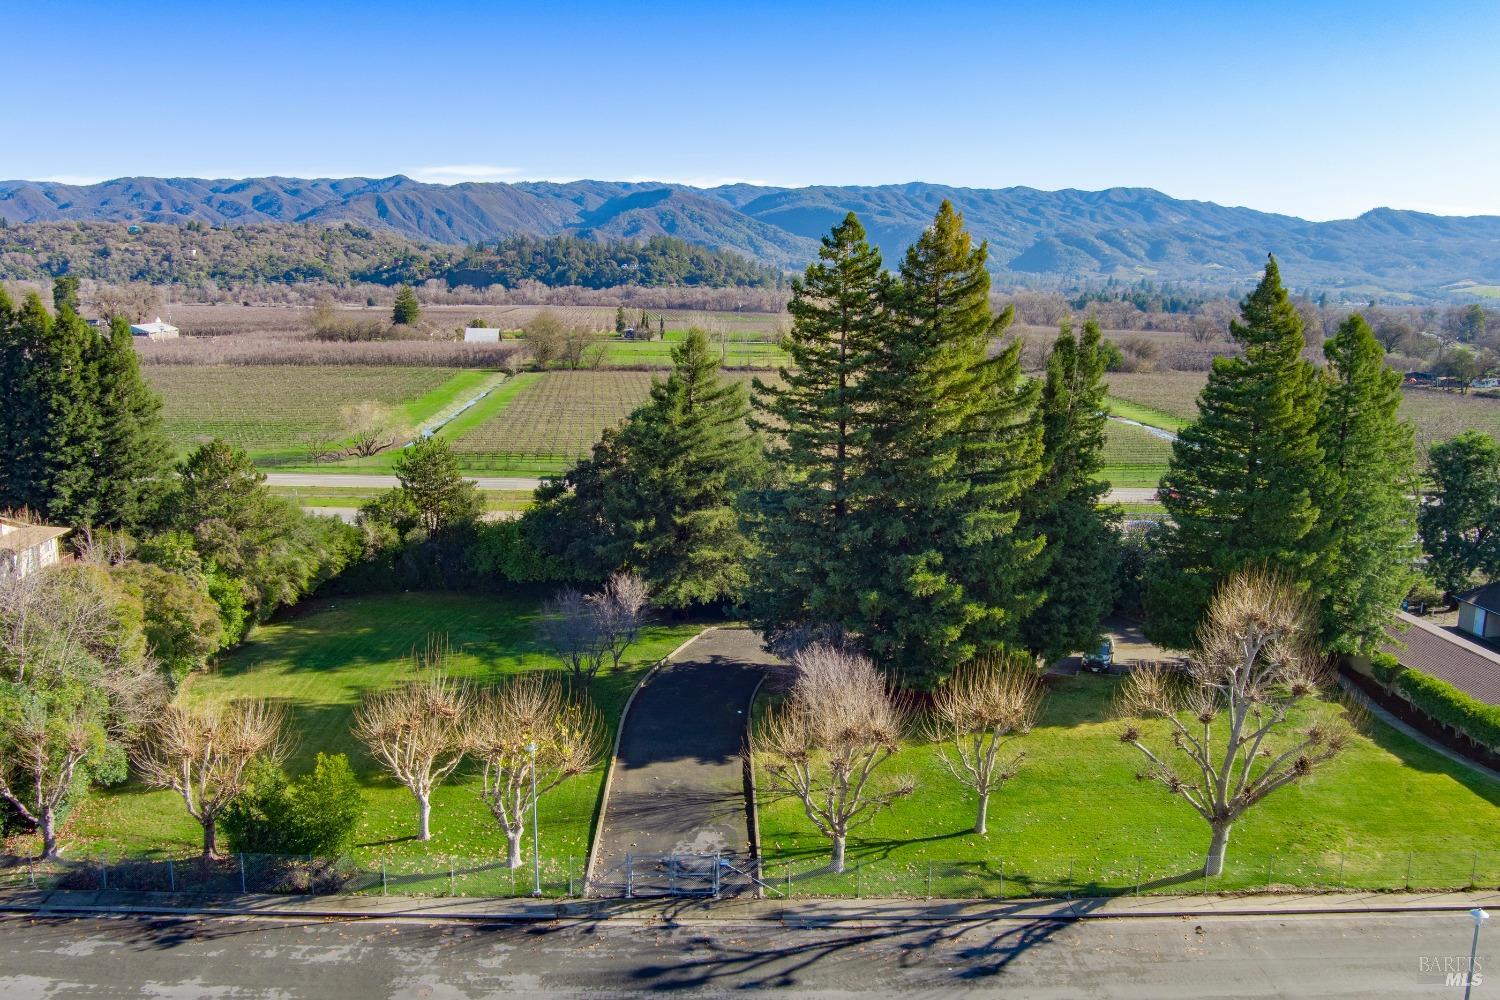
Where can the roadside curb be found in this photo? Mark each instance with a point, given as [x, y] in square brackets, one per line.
[815, 914]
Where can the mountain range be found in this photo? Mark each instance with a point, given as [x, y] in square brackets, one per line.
[1036, 237]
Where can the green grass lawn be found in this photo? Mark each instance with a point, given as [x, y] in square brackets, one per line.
[1075, 818]
[357, 496]
[1145, 414]
[319, 661]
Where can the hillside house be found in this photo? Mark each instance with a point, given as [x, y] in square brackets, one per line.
[482, 335]
[154, 331]
[26, 548]
[1479, 611]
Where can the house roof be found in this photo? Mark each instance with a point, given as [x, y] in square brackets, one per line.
[1436, 651]
[157, 327]
[1486, 597]
[23, 536]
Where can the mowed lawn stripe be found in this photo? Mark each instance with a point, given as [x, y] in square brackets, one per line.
[319, 661]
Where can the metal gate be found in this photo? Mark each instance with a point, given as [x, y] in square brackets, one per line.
[706, 875]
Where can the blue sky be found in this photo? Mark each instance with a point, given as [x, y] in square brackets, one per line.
[1316, 109]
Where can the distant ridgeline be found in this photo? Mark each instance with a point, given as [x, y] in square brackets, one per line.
[286, 253]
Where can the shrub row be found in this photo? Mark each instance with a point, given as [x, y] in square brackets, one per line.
[1440, 701]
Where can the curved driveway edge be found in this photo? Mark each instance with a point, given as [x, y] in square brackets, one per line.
[678, 787]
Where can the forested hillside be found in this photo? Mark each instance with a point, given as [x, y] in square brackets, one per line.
[194, 254]
[1037, 238]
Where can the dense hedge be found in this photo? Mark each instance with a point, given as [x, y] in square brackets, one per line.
[1440, 701]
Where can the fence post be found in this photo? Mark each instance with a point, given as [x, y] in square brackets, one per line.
[450, 876]
[242, 872]
[1342, 857]
[1137, 874]
[570, 876]
[858, 870]
[672, 874]
[1408, 869]
[382, 878]
[1474, 871]
[1270, 868]
[1001, 866]
[512, 881]
[31, 873]
[788, 879]
[629, 877]
[929, 880]
[103, 874]
[171, 876]
[1070, 878]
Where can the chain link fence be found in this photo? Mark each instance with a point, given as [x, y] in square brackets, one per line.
[802, 876]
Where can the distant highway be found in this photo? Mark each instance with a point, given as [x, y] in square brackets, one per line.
[317, 480]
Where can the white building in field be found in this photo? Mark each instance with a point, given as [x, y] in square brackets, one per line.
[482, 335]
[26, 548]
[154, 331]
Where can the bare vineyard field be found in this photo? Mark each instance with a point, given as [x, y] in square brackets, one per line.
[1174, 394]
[1133, 456]
[1437, 415]
[1440, 415]
[267, 409]
[553, 421]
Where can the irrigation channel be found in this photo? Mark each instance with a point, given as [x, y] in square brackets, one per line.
[1165, 435]
[447, 417]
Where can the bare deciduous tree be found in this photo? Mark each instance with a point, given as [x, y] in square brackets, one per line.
[1255, 661]
[416, 732]
[983, 707]
[371, 427]
[203, 752]
[570, 628]
[619, 612]
[523, 727]
[825, 743]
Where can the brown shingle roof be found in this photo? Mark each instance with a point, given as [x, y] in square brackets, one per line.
[26, 536]
[1434, 651]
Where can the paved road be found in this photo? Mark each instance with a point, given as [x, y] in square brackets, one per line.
[1161, 959]
[322, 479]
[375, 482]
[678, 786]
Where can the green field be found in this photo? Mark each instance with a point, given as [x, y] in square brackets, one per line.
[658, 353]
[1133, 456]
[319, 660]
[1076, 819]
[266, 409]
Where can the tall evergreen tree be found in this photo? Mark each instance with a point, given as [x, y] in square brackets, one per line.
[82, 440]
[1081, 554]
[658, 496]
[1368, 515]
[812, 419]
[52, 425]
[131, 471]
[407, 309]
[1242, 485]
[953, 441]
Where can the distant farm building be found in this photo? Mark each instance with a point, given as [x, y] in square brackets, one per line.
[1479, 611]
[482, 335]
[26, 548]
[154, 331]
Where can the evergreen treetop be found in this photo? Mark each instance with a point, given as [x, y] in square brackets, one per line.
[1242, 483]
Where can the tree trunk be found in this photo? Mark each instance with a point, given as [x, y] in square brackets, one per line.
[1218, 844]
[513, 838]
[424, 814]
[48, 828]
[210, 837]
[836, 863]
[982, 820]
